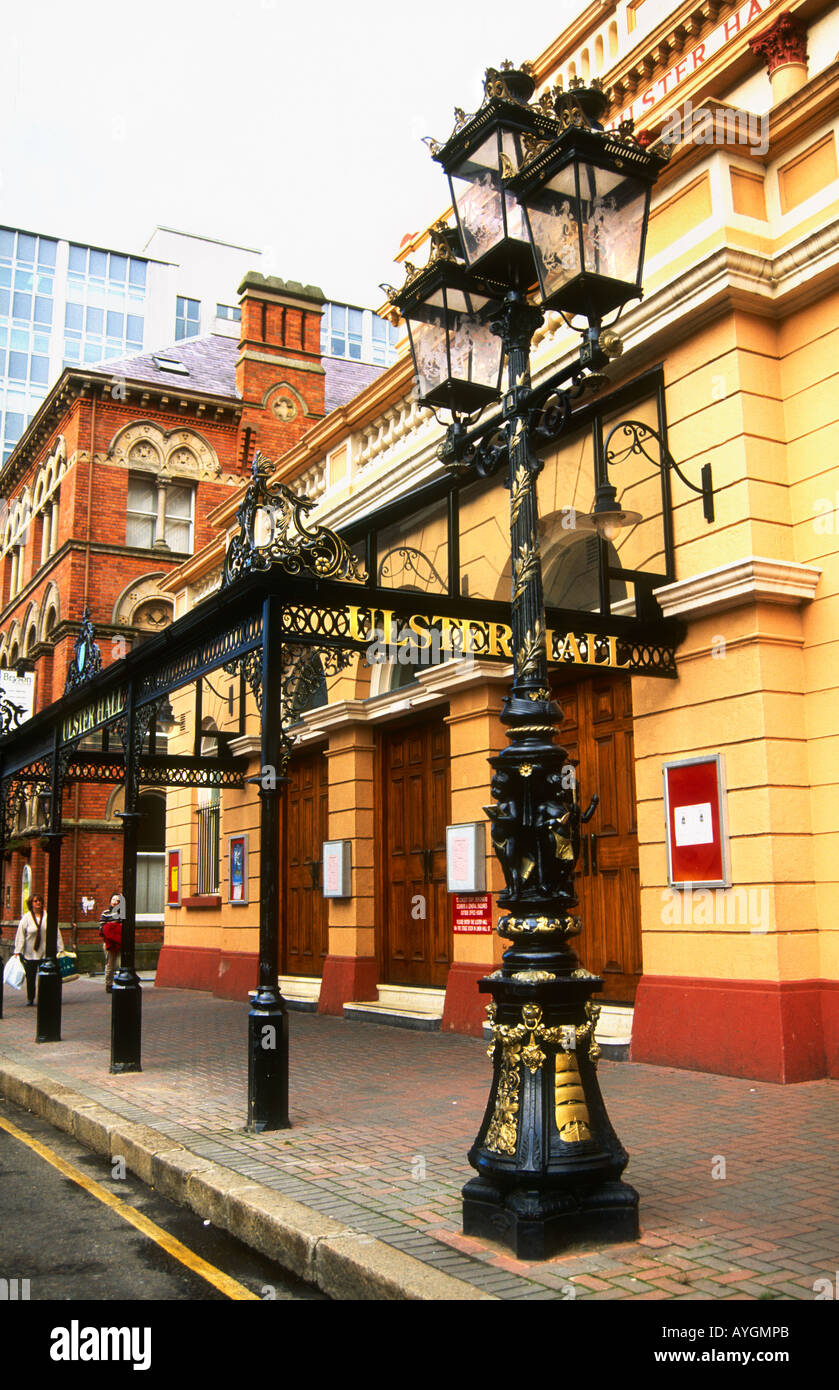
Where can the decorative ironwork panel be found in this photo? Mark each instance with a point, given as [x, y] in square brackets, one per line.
[222, 650]
[273, 532]
[337, 625]
[86, 661]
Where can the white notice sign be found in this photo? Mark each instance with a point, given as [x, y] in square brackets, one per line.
[18, 696]
[694, 824]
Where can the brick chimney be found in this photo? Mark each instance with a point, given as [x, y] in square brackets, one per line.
[279, 374]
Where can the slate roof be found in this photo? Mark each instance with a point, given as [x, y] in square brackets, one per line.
[211, 364]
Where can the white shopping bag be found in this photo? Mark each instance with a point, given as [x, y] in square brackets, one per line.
[14, 973]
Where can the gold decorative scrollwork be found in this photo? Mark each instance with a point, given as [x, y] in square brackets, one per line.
[520, 926]
[531, 1031]
[288, 542]
[531, 649]
[503, 1127]
[521, 488]
[524, 568]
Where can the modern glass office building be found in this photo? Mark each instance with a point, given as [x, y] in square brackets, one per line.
[67, 304]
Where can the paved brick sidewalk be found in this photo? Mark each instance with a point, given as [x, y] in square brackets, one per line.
[383, 1117]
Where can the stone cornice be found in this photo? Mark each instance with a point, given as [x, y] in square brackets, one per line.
[74, 385]
[577, 32]
[733, 277]
[742, 582]
[433, 687]
[790, 122]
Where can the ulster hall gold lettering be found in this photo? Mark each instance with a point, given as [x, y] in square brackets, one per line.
[475, 638]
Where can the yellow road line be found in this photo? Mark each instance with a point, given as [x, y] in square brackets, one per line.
[230, 1287]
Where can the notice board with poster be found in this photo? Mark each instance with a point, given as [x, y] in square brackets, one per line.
[697, 831]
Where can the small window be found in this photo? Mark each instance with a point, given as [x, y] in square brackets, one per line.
[178, 533]
[169, 364]
[141, 512]
[229, 311]
[187, 317]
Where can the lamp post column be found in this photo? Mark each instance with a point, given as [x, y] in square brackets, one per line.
[548, 1160]
[268, 1019]
[48, 1025]
[126, 995]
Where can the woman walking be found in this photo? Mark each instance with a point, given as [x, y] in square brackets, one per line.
[31, 942]
[110, 930]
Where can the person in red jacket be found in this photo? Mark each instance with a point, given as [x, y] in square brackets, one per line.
[110, 930]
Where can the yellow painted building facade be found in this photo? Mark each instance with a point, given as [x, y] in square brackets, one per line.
[737, 341]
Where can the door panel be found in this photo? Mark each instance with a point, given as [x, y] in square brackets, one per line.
[306, 935]
[417, 949]
[597, 730]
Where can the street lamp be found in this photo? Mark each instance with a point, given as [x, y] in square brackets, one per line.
[555, 204]
[449, 311]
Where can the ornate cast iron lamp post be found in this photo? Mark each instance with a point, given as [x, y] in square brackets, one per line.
[544, 198]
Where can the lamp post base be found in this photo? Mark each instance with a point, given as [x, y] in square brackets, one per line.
[267, 1062]
[537, 1224]
[126, 1022]
[549, 1162]
[48, 1025]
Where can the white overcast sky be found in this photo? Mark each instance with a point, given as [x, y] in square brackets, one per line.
[282, 124]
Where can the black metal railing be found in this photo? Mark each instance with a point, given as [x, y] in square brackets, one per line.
[208, 849]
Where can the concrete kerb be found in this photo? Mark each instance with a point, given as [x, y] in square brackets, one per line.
[342, 1263]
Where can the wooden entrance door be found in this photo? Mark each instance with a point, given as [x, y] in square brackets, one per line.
[417, 934]
[597, 729]
[306, 819]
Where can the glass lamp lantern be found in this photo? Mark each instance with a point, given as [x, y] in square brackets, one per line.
[483, 151]
[457, 357]
[586, 203]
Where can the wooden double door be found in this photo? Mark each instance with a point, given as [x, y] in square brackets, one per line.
[305, 806]
[416, 935]
[597, 730]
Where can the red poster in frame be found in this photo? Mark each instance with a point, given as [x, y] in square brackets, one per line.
[173, 878]
[697, 833]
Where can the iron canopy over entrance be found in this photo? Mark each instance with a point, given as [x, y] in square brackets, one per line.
[296, 597]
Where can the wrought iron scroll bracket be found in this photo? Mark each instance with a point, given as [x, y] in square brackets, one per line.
[286, 541]
[636, 432]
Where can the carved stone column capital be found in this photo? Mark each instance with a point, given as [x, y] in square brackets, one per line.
[783, 47]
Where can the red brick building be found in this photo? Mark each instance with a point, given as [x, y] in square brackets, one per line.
[110, 487]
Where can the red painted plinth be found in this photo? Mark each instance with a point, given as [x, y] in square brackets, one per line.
[227, 974]
[465, 1009]
[238, 973]
[758, 1029]
[347, 978]
[830, 1021]
[187, 967]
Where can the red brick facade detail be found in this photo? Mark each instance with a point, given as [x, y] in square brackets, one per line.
[281, 384]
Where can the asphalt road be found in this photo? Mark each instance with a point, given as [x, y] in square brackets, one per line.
[70, 1245]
